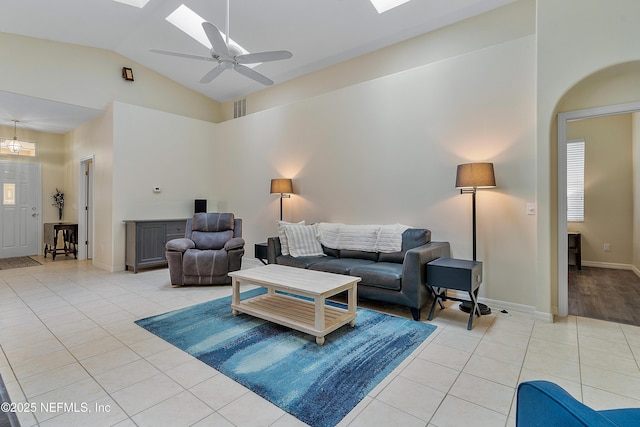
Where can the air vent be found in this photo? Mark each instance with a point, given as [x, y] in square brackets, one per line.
[240, 108]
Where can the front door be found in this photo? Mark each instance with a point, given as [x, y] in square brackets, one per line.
[20, 212]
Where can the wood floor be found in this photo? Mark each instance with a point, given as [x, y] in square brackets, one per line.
[605, 294]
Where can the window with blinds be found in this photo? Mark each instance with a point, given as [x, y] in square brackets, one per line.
[575, 181]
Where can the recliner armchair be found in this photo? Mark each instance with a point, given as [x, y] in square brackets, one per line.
[543, 403]
[212, 247]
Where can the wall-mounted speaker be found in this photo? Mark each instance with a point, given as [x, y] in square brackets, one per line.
[200, 205]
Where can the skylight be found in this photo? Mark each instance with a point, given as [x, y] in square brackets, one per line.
[136, 3]
[384, 5]
[190, 22]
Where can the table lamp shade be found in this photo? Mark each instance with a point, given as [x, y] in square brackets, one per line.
[475, 175]
[281, 185]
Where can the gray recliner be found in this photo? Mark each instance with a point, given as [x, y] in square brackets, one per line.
[212, 247]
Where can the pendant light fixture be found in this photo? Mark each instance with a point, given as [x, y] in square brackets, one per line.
[13, 144]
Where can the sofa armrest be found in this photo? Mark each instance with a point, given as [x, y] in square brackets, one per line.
[414, 269]
[234, 243]
[274, 250]
[180, 245]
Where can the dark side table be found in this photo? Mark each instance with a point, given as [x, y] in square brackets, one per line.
[261, 252]
[458, 274]
[69, 239]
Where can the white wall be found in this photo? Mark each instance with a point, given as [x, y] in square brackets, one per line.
[91, 77]
[573, 41]
[135, 150]
[386, 151]
[94, 139]
[505, 23]
[156, 149]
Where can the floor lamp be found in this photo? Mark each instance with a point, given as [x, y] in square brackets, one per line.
[469, 178]
[284, 186]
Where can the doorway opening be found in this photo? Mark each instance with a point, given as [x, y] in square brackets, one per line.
[563, 242]
[20, 207]
[85, 207]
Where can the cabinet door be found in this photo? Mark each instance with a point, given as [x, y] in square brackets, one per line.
[151, 239]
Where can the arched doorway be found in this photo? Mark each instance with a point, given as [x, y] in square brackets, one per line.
[614, 90]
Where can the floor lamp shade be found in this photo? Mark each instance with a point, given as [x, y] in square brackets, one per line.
[282, 186]
[475, 175]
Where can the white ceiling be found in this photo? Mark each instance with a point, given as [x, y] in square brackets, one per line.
[318, 32]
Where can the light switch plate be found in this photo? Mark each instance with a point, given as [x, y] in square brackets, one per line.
[531, 208]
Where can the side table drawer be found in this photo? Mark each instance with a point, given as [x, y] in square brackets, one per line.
[458, 274]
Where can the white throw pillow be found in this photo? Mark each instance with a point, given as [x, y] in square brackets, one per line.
[303, 240]
[284, 242]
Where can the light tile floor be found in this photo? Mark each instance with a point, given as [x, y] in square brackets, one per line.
[71, 352]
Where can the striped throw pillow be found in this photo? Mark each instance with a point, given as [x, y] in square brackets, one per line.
[284, 242]
[303, 240]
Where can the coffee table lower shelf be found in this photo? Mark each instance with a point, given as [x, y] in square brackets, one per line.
[295, 313]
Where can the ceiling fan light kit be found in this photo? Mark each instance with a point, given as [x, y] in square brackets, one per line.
[229, 57]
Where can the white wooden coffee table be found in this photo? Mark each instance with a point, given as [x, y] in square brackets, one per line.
[309, 316]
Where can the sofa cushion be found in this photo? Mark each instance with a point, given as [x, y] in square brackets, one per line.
[303, 240]
[411, 238]
[212, 221]
[340, 265]
[346, 253]
[284, 241]
[211, 240]
[331, 252]
[205, 263]
[301, 262]
[386, 275]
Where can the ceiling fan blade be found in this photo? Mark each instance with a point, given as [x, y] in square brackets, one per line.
[215, 37]
[182, 55]
[274, 55]
[215, 72]
[252, 74]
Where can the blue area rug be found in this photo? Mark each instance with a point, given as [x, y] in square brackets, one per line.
[319, 385]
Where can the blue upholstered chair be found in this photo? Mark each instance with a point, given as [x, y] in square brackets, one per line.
[212, 247]
[542, 403]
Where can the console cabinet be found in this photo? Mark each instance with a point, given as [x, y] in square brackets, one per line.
[146, 240]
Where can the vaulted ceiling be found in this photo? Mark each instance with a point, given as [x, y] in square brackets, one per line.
[319, 33]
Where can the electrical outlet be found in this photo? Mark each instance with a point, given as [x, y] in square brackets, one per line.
[607, 247]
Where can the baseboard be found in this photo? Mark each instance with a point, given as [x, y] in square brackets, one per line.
[612, 265]
[109, 268]
[508, 306]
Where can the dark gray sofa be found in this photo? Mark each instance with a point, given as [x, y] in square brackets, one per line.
[397, 278]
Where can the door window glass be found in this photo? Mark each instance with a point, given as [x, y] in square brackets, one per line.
[9, 191]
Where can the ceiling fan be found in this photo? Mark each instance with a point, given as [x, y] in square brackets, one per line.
[229, 56]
